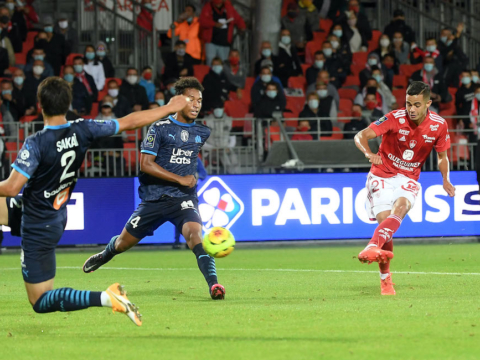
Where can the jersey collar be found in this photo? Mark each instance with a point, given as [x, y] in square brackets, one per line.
[56, 127]
[175, 121]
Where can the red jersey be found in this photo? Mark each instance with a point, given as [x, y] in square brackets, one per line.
[406, 146]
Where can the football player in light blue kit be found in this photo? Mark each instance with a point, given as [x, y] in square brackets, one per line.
[46, 167]
[167, 186]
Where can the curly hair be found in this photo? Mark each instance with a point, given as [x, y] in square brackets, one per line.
[187, 83]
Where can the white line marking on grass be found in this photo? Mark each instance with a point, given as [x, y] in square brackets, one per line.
[279, 270]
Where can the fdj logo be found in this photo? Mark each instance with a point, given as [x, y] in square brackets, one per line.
[218, 204]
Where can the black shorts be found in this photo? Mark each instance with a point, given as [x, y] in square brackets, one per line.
[152, 214]
[39, 241]
[14, 206]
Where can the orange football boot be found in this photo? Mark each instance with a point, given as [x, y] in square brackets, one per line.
[387, 286]
[373, 253]
[120, 303]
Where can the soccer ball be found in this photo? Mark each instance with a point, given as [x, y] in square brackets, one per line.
[219, 242]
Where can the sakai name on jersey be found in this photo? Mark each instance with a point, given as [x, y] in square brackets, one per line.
[67, 143]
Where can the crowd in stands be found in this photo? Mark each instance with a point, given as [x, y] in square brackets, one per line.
[345, 71]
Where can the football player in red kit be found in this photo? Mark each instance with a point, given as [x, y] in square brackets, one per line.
[408, 137]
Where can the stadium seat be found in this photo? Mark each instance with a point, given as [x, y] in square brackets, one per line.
[305, 68]
[347, 94]
[459, 149]
[400, 81]
[199, 71]
[295, 104]
[12, 150]
[360, 58]
[130, 155]
[118, 80]
[246, 92]
[29, 41]
[310, 49]
[373, 44]
[130, 133]
[292, 123]
[275, 134]
[356, 68]
[337, 135]
[408, 70]
[28, 118]
[237, 110]
[70, 58]
[297, 82]
[352, 80]
[326, 25]
[400, 97]
[319, 36]
[21, 58]
[94, 111]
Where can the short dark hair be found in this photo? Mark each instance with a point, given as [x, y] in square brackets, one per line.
[265, 67]
[318, 52]
[132, 68]
[187, 83]
[419, 88]
[79, 58]
[180, 42]
[6, 81]
[55, 96]
[146, 68]
[191, 6]
[272, 83]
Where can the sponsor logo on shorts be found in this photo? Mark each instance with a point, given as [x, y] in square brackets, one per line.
[412, 187]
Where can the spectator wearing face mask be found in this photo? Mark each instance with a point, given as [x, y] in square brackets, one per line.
[324, 77]
[56, 49]
[266, 54]
[333, 65]
[398, 25]
[365, 74]
[430, 75]
[400, 48]
[160, 98]
[384, 47]
[146, 82]
[32, 81]
[357, 123]
[383, 102]
[178, 60]
[235, 72]
[81, 100]
[93, 66]
[417, 55]
[260, 86]
[464, 97]
[17, 31]
[86, 79]
[216, 85]
[101, 52]
[169, 89]
[270, 102]
[383, 89]
[341, 53]
[187, 28]
[63, 27]
[318, 65]
[371, 109]
[320, 105]
[135, 94]
[475, 126]
[8, 99]
[18, 92]
[303, 131]
[39, 54]
[121, 106]
[288, 60]
[4, 39]
[296, 25]
[362, 23]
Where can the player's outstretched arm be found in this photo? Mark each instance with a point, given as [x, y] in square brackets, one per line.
[13, 185]
[140, 119]
[444, 166]
[150, 167]
[361, 141]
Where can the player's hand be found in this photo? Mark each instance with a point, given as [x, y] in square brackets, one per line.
[375, 159]
[188, 180]
[449, 188]
[177, 103]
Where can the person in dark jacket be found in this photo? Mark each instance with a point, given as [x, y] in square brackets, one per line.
[85, 79]
[133, 91]
[101, 51]
[55, 49]
[33, 80]
[356, 123]
[63, 27]
[398, 24]
[8, 100]
[121, 106]
[363, 24]
[19, 92]
[266, 54]
[260, 87]
[216, 85]
[270, 102]
[288, 60]
[4, 61]
[318, 108]
[81, 101]
[464, 97]
[319, 64]
[17, 29]
[178, 60]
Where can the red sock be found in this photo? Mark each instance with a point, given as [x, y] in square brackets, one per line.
[385, 268]
[385, 230]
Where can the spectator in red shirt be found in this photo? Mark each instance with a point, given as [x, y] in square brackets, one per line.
[145, 18]
[302, 131]
[217, 21]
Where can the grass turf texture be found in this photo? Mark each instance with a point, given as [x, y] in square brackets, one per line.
[267, 314]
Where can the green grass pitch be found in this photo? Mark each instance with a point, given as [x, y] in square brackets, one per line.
[281, 303]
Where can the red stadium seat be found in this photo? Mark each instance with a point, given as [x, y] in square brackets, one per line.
[12, 150]
[70, 58]
[295, 104]
[326, 25]
[292, 123]
[130, 133]
[305, 68]
[94, 111]
[360, 58]
[346, 106]
[118, 80]
[347, 94]
[237, 110]
[246, 92]
[28, 118]
[297, 82]
[199, 71]
[373, 44]
[352, 80]
[356, 68]
[275, 134]
[408, 70]
[400, 97]
[21, 58]
[319, 36]
[310, 49]
[400, 81]
[130, 155]
[29, 41]
[336, 135]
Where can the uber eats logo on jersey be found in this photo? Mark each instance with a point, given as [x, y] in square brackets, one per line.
[179, 156]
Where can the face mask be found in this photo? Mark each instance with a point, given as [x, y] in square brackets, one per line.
[337, 33]
[148, 6]
[304, 128]
[38, 57]
[313, 103]
[101, 53]
[398, 40]
[10, 6]
[475, 78]
[356, 114]
[147, 76]
[218, 113]
[286, 40]
[68, 77]
[443, 39]
[384, 42]
[352, 22]
[160, 102]
[107, 105]
[132, 79]
[18, 80]
[372, 62]
[371, 105]
[477, 95]
[431, 48]
[63, 24]
[90, 55]
[38, 70]
[190, 19]
[266, 78]
[322, 93]
[267, 52]
[428, 67]
[180, 52]
[335, 44]
[355, 9]
[319, 64]
[449, 42]
[327, 52]
[272, 94]
[78, 68]
[377, 77]
[48, 29]
[113, 92]
[6, 92]
[234, 61]
[466, 80]
[172, 90]
[217, 69]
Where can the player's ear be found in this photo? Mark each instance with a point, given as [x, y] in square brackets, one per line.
[429, 102]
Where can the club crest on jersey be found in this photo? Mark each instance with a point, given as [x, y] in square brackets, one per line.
[408, 155]
[198, 139]
[434, 127]
[401, 121]
[184, 135]
[150, 141]
[381, 120]
[413, 143]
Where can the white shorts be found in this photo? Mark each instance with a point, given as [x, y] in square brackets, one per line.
[383, 192]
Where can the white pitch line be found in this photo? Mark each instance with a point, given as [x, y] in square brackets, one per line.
[279, 270]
